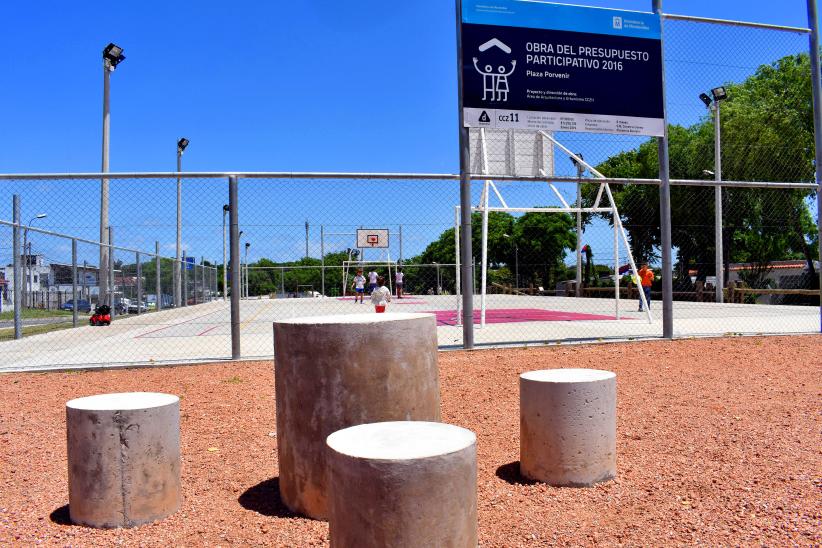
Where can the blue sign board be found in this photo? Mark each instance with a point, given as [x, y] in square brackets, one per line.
[190, 263]
[555, 67]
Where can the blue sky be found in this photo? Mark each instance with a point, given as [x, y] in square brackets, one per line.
[275, 86]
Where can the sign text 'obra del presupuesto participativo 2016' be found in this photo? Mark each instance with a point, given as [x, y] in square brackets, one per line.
[554, 67]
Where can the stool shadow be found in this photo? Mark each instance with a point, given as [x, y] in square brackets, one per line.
[510, 474]
[264, 498]
[61, 516]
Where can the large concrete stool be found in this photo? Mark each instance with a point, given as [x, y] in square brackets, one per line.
[568, 426]
[403, 484]
[332, 372]
[123, 458]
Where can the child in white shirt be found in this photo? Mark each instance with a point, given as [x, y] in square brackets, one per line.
[381, 296]
[359, 287]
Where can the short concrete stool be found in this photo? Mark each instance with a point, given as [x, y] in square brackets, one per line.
[332, 372]
[403, 484]
[568, 426]
[123, 458]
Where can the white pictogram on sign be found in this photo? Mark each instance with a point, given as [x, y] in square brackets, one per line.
[494, 82]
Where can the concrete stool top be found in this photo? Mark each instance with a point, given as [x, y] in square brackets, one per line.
[355, 319]
[123, 401]
[400, 440]
[568, 375]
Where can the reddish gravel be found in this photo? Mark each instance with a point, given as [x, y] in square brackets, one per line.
[718, 440]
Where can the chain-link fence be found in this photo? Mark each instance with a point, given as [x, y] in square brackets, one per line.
[556, 258]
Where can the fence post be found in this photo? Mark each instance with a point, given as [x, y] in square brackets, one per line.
[74, 282]
[158, 285]
[18, 268]
[184, 267]
[665, 202]
[234, 244]
[718, 252]
[195, 283]
[139, 283]
[465, 204]
[816, 85]
[322, 259]
[111, 270]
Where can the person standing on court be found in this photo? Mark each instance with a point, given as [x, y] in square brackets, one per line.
[372, 281]
[398, 276]
[358, 286]
[646, 278]
[381, 296]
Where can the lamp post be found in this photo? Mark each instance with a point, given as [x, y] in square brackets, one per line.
[112, 56]
[437, 266]
[247, 245]
[29, 273]
[713, 104]
[181, 146]
[226, 209]
[516, 259]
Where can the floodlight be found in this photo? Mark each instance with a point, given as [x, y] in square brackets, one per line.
[720, 94]
[41, 216]
[705, 99]
[574, 160]
[707, 173]
[226, 207]
[114, 55]
[247, 245]
[182, 144]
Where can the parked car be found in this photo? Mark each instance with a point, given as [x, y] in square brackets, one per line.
[82, 305]
[132, 307]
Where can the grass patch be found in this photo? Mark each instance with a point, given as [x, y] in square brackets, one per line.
[233, 380]
[29, 313]
[8, 333]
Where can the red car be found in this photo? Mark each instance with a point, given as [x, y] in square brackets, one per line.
[101, 316]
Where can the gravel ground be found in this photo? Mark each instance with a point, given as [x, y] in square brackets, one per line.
[718, 443]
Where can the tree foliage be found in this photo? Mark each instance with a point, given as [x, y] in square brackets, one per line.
[767, 135]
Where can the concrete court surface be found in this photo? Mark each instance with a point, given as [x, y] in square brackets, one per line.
[202, 332]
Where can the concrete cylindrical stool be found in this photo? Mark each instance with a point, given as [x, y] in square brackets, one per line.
[403, 484]
[333, 372]
[123, 458]
[568, 426]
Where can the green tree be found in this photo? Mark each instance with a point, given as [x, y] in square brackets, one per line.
[767, 135]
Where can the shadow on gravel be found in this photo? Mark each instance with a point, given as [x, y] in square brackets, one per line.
[510, 473]
[264, 498]
[61, 516]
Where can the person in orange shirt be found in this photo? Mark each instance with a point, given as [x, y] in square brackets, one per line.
[646, 278]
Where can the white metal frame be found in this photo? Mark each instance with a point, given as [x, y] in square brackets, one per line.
[485, 208]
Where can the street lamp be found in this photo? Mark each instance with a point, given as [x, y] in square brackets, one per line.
[516, 260]
[713, 103]
[112, 56]
[580, 171]
[226, 209]
[29, 272]
[181, 146]
[247, 245]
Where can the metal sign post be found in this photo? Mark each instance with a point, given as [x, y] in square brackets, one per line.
[466, 275]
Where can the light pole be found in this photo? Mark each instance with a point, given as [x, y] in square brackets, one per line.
[181, 146]
[226, 209]
[306, 239]
[719, 94]
[437, 266]
[112, 56]
[516, 260]
[247, 245]
[29, 273]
